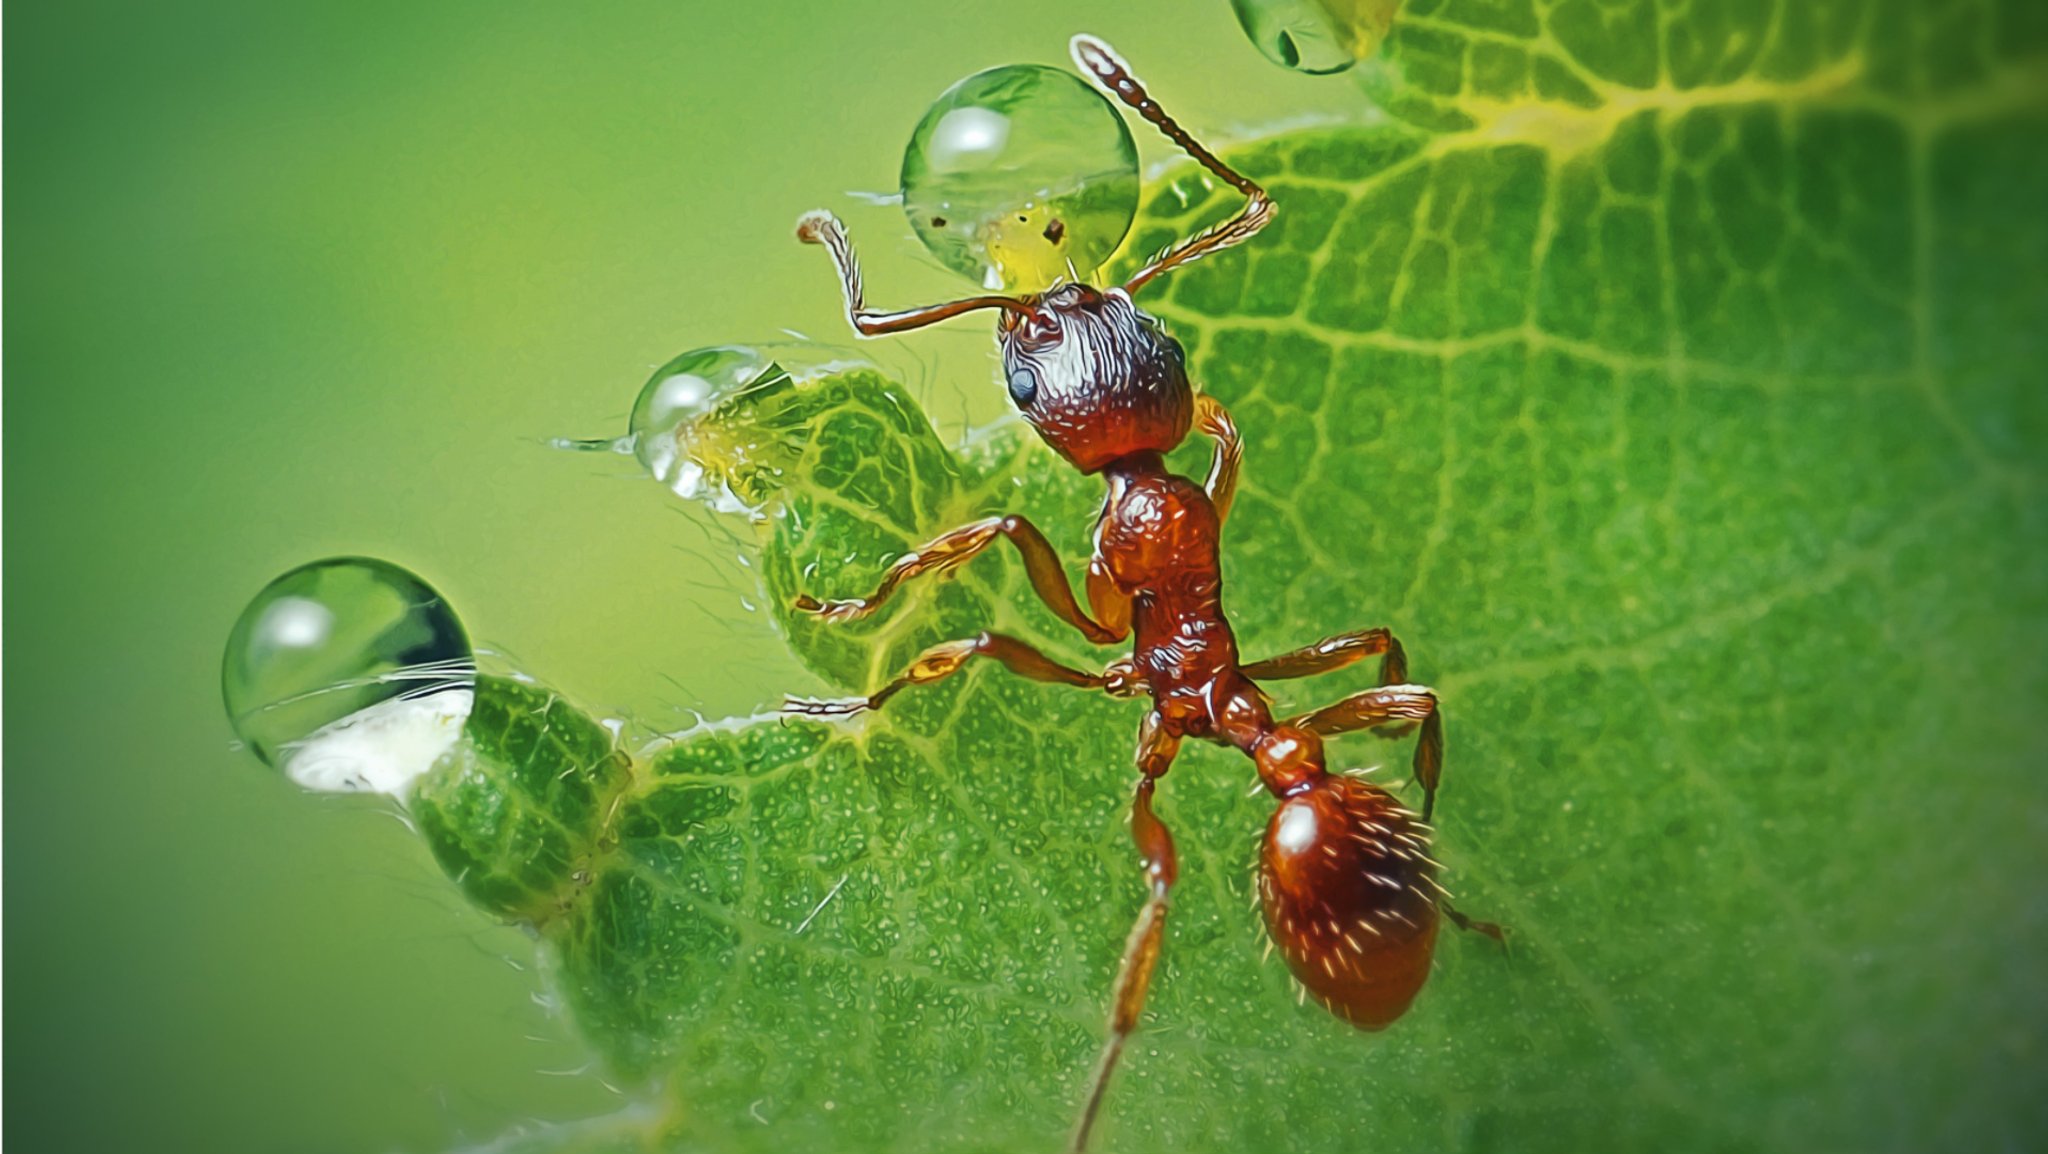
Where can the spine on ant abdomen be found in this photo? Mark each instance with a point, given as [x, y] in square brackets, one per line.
[1346, 882]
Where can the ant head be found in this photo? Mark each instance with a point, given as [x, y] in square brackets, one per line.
[1096, 377]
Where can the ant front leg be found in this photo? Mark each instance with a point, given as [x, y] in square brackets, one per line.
[952, 550]
[944, 660]
[1390, 704]
[1156, 749]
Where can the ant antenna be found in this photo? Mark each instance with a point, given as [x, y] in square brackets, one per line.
[822, 227]
[1107, 69]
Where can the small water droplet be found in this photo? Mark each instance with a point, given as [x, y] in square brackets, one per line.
[682, 390]
[1316, 36]
[1020, 176]
[713, 424]
[327, 641]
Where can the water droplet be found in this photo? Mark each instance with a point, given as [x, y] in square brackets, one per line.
[682, 391]
[706, 425]
[1020, 176]
[1316, 36]
[347, 671]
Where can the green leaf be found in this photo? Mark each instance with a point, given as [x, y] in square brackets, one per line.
[515, 810]
[1671, 382]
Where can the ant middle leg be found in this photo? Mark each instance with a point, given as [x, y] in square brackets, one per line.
[1390, 705]
[1334, 653]
[1156, 749]
[949, 551]
[947, 658]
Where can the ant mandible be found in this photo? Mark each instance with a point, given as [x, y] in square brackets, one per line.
[1347, 886]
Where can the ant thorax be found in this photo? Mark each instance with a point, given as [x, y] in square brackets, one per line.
[1096, 376]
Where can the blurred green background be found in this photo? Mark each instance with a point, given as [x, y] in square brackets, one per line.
[296, 280]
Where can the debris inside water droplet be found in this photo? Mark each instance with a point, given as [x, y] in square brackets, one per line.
[1021, 176]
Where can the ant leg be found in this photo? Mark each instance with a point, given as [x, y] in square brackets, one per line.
[1114, 76]
[823, 228]
[1141, 951]
[1402, 703]
[1106, 599]
[1390, 703]
[951, 550]
[943, 661]
[1494, 930]
[1213, 421]
[1333, 653]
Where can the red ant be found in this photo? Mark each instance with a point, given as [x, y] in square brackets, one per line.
[1345, 879]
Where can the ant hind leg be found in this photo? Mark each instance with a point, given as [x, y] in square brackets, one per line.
[1389, 711]
[1141, 950]
[1334, 653]
[1494, 930]
[1390, 705]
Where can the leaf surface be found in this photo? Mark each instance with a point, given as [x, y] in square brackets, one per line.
[1669, 379]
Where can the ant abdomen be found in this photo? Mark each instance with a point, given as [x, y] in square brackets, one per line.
[1349, 894]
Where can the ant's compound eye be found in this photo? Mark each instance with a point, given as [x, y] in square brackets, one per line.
[1023, 386]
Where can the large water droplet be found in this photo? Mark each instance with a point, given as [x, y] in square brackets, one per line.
[1020, 176]
[1316, 35]
[348, 673]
